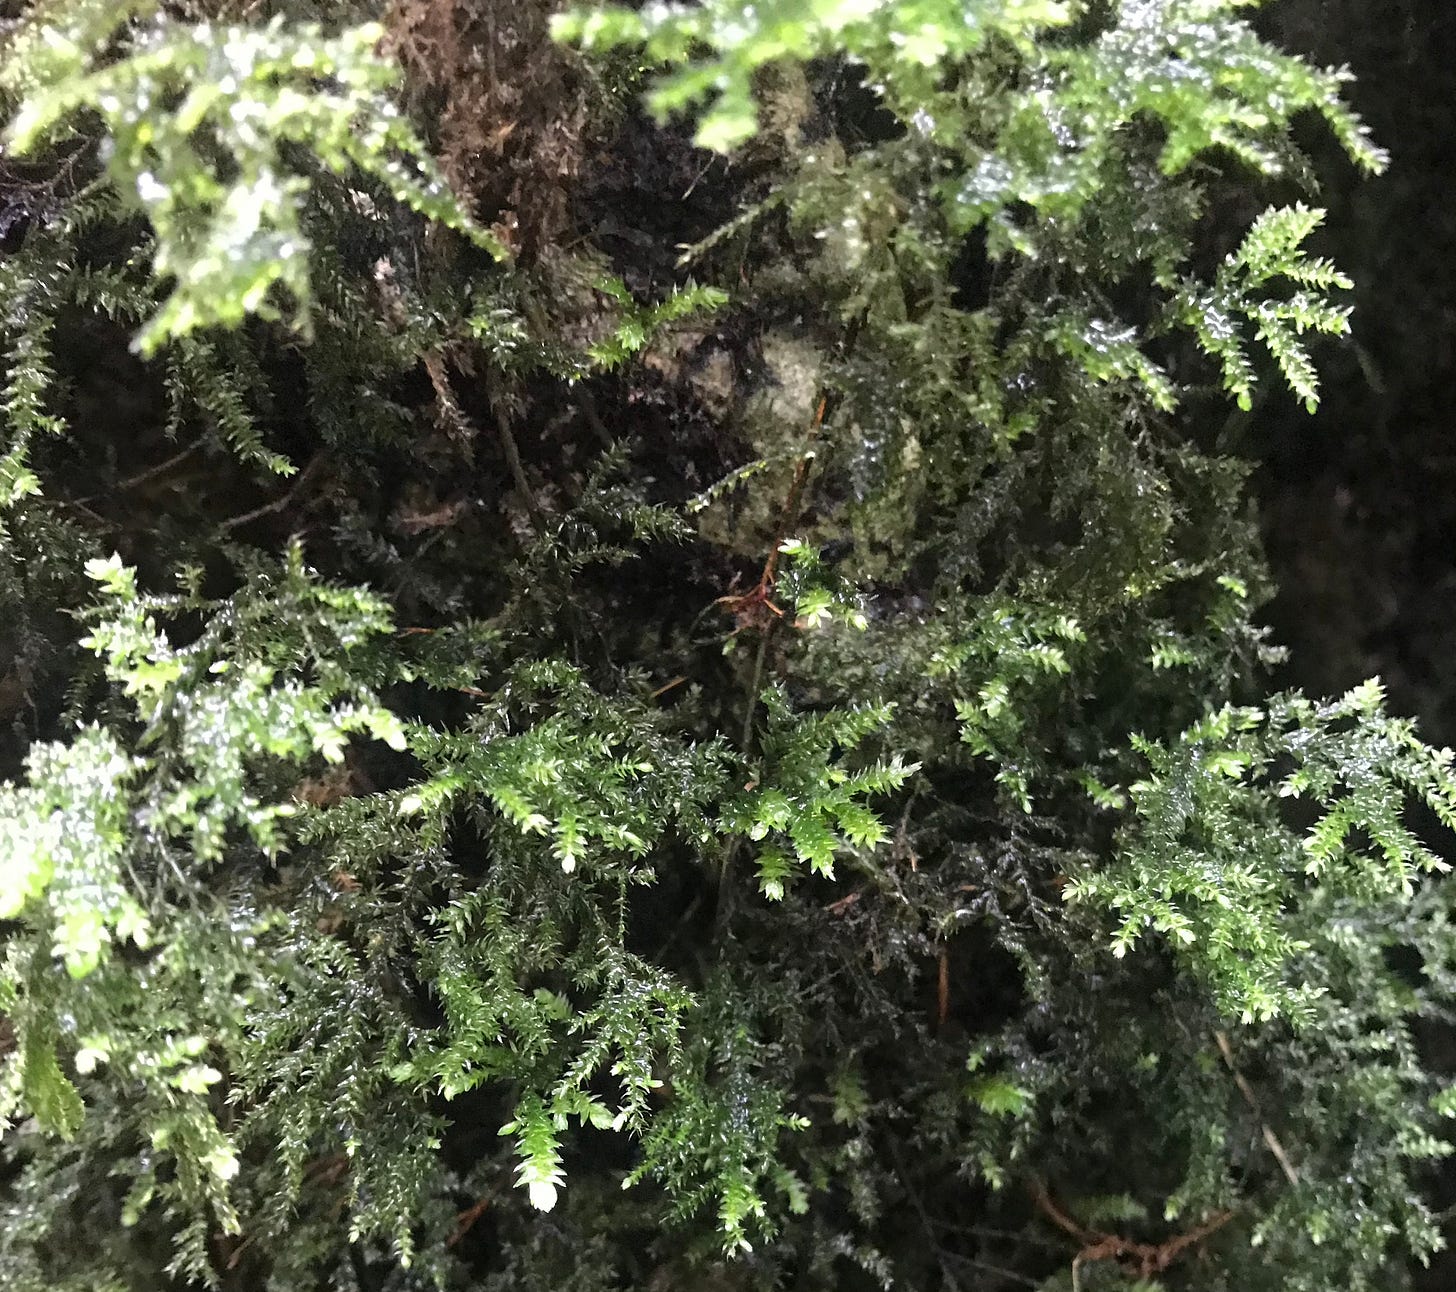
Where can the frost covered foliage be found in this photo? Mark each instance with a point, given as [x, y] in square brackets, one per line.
[682, 714]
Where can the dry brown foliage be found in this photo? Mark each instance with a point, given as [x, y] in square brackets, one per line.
[510, 103]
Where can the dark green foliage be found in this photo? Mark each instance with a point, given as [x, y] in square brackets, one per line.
[789, 743]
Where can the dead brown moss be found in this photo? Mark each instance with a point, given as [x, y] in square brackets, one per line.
[511, 107]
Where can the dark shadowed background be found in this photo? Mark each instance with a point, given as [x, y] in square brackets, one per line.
[1359, 502]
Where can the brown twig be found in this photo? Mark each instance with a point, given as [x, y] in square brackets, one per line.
[237, 1253]
[734, 842]
[329, 1169]
[1271, 1140]
[752, 607]
[131, 482]
[942, 990]
[467, 1218]
[683, 922]
[796, 490]
[926, 1223]
[447, 407]
[455, 417]
[84, 510]
[901, 849]
[755, 681]
[1149, 1258]
[513, 460]
[587, 406]
[306, 477]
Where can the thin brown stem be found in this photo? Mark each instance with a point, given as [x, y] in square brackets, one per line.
[1271, 1140]
[131, 482]
[942, 990]
[305, 478]
[1148, 1259]
[512, 452]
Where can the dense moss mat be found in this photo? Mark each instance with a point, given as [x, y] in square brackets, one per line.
[638, 655]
